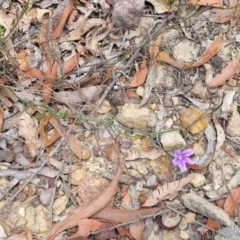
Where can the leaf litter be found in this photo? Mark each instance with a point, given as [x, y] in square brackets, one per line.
[66, 67]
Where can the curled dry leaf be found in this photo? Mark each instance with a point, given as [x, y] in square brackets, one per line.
[112, 154]
[71, 63]
[214, 3]
[213, 48]
[75, 145]
[140, 76]
[29, 131]
[211, 224]
[51, 75]
[232, 201]
[167, 190]
[92, 208]
[162, 6]
[226, 74]
[204, 160]
[220, 138]
[58, 29]
[154, 47]
[6, 21]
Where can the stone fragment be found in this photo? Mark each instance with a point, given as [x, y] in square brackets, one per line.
[134, 116]
[190, 217]
[183, 224]
[199, 90]
[198, 180]
[198, 150]
[140, 91]
[233, 126]
[77, 176]
[171, 219]
[7, 155]
[172, 140]
[60, 204]
[86, 154]
[105, 107]
[189, 117]
[171, 235]
[207, 209]
[164, 167]
[184, 234]
[169, 123]
[42, 223]
[30, 189]
[90, 187]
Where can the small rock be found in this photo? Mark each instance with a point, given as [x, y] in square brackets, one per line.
[199, 90]
[198, 180]
[2, 232]
[169, 123]
[7, 155]
[232, 82]
[90, 187]
[105, 107]
[182, 51]
[42, 224]
[207, 209]
[190, 217]
[140, 91]
[170, 235]
[153, 106]
[77, 176]
[188, 118]
[141, 167]
[134, 116]
[233, 127]
[233, 107]
[86, 154]
[171, 219]
[183, 224]
[151, 181]
[184, 234]
[172, 140]
[60, 204]
[198, 150]
[30, 189]
[164, 167]
[175, 100]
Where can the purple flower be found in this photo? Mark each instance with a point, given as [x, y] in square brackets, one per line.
[181, 158]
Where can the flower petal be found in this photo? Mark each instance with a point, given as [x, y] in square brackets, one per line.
[188, 160]
[176, 161]
[187, 152]
[182, 166]
[177, 153]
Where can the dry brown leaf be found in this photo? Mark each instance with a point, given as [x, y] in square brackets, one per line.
[214, 3]
[226, 14]
[226, 74]
[58, 29]
[136, 229]
[72, 16]
[167, 190]
[71, 63]
[87, 211]
[75, 145]
[213, 48]
[29, 131]
[140, 76]
[51, 75]
[112, 154]
[86, 226]
[232, 201]
[120, 216]
[211, 224]
[1, 119]
[22, 61]
[154, 47]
